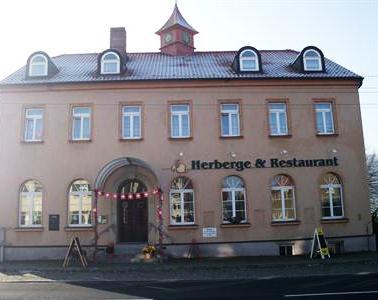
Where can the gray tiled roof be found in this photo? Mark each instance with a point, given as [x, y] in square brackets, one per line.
[276, 64]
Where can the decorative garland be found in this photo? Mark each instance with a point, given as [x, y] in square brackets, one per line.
[128, 196]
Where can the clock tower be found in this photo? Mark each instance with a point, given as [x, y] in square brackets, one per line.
[177, 36]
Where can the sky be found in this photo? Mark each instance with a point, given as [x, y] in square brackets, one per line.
[345, 30]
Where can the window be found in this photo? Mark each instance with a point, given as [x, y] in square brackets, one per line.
[31, 204]
[285, 250]
[131, 122]
[249, 61]
[110, 63]
[233, 200]
[278, 119]
[331, 197]
[80, 204]
[38, 65]
[180, 121]
[283, 202]
[312, 60]
[324, 118]
[81, 123]
[33, 124]
[181, 201]
[230, 120]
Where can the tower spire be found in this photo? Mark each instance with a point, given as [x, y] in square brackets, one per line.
[176, 35]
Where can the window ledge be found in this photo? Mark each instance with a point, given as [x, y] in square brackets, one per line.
[178, 227]
[327, 134]
[285, 223]
[180, 138]
[289, 135]
[78, 228]
[31, 142]
[334, 220]
[241, 225]
[231, 137]
[27, 229]
[80, 141]
[130, 140]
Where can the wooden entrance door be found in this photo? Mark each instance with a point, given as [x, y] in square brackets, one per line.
[132, 214]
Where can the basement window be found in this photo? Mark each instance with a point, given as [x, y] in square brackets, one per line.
[286, 250]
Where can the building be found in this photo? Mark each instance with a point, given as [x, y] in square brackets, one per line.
[252, 150]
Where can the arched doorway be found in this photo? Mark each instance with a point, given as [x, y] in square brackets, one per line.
[120, 176]
[132, 214]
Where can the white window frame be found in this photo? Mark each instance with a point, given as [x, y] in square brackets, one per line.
[233, 192]
[182, 193]
[82, 117]
[44, 64]
[282, 190]
[318, 59]
[80, 194]
[323, 111]
[131, 115]
[180, 114]
[230, 113]
[329, 187]
[30, 197]
[110, 61]
[34, 118]
[255, 59]
[277, 112]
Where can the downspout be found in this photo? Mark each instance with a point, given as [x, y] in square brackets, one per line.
[2, 244]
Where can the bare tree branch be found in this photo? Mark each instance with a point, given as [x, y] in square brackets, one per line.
[372, 166]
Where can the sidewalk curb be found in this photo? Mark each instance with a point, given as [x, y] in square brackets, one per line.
[179, 280]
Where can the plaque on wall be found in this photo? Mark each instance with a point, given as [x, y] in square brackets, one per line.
[53, 222]
[209, 232]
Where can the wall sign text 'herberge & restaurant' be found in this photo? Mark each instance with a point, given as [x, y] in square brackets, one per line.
[263, 163]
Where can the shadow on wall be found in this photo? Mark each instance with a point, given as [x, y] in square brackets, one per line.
[222, 250]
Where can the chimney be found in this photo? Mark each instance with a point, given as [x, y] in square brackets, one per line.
[118, 39]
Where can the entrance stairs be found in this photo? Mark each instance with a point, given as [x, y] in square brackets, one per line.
[123, 253]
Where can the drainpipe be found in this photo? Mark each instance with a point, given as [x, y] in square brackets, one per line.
[2, 244]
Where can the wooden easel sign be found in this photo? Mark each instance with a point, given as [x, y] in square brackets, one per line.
[75, 247]
[319, 244]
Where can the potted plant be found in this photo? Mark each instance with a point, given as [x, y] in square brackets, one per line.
[149, 251]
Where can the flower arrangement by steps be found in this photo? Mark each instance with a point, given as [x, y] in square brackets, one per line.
[149, 251]
[148, 254]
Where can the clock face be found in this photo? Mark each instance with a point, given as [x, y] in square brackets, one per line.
[168, 37]
[186, 37]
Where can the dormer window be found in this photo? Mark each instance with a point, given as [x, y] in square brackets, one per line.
[110, 63]
[312, 60]
[38, 65]
[249, 61]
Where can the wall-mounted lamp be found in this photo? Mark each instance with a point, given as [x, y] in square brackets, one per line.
[233, 154]
[283, 152]
[334, 150]
[181, 154]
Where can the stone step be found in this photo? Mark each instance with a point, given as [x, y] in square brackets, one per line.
[122, 253]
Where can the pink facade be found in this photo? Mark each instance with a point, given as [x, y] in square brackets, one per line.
[262, 162]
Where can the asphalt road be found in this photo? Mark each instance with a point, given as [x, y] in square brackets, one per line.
[361, 286]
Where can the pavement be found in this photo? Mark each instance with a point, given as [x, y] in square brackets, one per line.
[190, 269]
[311, 287]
